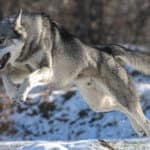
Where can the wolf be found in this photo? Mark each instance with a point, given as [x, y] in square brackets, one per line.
[37, 51]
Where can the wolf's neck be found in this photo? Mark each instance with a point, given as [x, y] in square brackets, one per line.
[61, 37]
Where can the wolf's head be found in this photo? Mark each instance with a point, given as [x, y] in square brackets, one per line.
[19, 36]
[11, 41]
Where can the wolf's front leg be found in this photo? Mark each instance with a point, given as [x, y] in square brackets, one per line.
[40, 77]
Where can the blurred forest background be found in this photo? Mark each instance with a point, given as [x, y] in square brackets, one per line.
[93, 21]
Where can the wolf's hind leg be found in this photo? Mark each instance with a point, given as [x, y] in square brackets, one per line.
[140, 118]
[132, 108]
[139, 130]
[135, 125]
[127, 99]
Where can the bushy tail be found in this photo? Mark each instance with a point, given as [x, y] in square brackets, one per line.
[137, 59]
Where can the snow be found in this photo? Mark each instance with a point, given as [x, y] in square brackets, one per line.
[61, 145]
[88, 144]
[57, 145]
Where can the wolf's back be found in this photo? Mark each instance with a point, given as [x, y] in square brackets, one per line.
[137, 59]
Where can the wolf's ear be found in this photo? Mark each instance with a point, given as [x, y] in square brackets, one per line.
[18, 27]
[18, 19]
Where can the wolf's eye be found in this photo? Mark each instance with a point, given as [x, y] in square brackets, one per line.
[2, 41]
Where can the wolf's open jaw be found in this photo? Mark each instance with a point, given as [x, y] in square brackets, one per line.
[4, 60]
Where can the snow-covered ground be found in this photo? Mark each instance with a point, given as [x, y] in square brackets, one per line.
[47, 145]
[142, 144]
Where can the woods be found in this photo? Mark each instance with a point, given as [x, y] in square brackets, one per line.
[93, 21]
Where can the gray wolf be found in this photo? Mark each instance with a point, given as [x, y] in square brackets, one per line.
[35, 50]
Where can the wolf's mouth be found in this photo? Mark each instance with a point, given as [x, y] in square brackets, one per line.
[4, 60]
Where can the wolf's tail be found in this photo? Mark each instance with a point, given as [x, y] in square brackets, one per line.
[137, 59]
